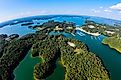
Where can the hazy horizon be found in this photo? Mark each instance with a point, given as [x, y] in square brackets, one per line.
[13, 9]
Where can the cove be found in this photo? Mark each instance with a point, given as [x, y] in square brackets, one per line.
[24, 70]
[58, 72]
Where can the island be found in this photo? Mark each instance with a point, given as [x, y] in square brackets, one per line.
[27, 24]
[74, 55]
[112, 33]
[96, 29]
[113, 42]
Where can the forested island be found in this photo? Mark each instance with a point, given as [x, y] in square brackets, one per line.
[102, 29]
[113, 33]
[78, 61]
[113, 42]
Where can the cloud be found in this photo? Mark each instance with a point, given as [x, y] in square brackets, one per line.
[23, 14]
[31, 13]
[101, 7]
[95, 11]
[116, 7]
[34, 13]
[107, 10]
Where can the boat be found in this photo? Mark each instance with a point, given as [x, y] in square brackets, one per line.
[95, 38]
[99, 38]
[80, 34]
[73, 34]
[91, 37]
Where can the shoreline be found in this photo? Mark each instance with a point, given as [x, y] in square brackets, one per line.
[113, 43]
[93, 34]
[110, 46]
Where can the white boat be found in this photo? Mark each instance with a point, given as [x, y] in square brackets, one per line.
[95, 38]
[73, 34]
[99, 38]
[80, 33]
[91, 37]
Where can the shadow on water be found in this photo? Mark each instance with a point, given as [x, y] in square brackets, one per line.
[25, 69]
[58, 73]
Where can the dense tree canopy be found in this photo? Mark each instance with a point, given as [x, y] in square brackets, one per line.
[78, 61]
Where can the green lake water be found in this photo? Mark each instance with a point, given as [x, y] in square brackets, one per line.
[58, 72]
[24, 70]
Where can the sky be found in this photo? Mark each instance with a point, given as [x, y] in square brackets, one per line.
[12, 9]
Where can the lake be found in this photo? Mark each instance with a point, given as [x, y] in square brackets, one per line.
[110, 58]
